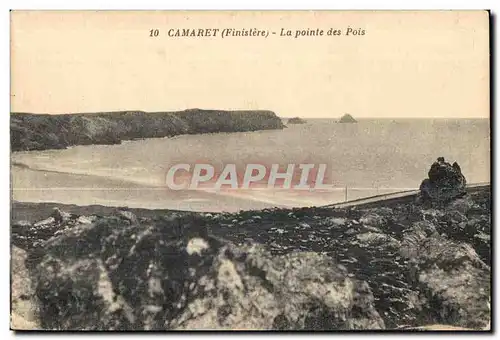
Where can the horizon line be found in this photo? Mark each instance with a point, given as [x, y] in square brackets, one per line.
[236, 110]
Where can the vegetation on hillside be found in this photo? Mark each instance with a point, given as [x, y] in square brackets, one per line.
[44, 131]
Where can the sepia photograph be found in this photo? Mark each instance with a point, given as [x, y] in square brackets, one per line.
[250, 171]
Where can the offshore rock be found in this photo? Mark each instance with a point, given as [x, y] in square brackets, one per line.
[297, 120]
[117, 274]
[347, 118]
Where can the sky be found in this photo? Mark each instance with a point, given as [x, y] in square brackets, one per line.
[407, 64]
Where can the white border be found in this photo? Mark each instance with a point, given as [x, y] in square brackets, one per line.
[494, 5]
[255, 4]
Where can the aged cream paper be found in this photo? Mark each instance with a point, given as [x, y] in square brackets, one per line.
[250, 170]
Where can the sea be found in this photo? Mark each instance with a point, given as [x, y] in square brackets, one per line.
[371, 157]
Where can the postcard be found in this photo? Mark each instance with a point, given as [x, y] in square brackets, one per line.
[250, 170]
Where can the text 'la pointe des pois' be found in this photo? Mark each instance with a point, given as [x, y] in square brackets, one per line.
[255, 32]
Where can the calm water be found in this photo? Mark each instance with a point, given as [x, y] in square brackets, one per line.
[370, 157]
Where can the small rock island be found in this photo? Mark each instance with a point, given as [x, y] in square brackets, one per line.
[347, 118]
[297, 120]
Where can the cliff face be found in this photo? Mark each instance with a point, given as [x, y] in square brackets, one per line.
[43, 131]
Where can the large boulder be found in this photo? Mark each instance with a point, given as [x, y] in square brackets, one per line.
[119, 274]
[445, 182]
[23, 311]
[453, 282]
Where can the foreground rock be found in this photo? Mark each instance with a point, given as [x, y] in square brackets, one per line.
[373, 245]
[119, 275]
[24, 314]
[28, 235]
[423, 265]
[452, 280]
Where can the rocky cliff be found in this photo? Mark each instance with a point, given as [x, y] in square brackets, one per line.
[43, 131]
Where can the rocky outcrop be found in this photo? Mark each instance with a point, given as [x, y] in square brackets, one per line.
[296, 120]
[119, 274]
[29, 235]
[399, 265]
[45, 131]
[445, 183]
[453, 282]
[24, 315]
[347, 118]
